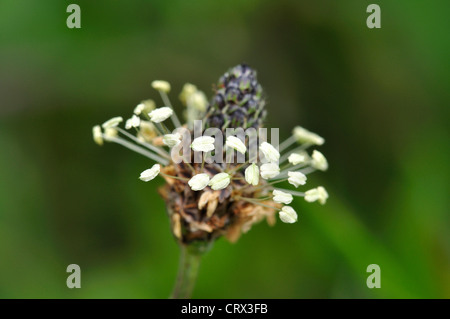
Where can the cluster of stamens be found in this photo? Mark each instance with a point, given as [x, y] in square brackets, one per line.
[207, 197]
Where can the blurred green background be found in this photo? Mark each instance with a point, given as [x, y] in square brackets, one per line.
[379, 97]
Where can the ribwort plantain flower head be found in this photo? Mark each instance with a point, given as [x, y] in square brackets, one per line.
[219, 168]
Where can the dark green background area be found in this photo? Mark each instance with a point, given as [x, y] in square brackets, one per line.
[379, 97]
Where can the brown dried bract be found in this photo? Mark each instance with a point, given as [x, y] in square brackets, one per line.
[206, 215]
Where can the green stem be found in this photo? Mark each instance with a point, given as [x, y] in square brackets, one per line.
[190, 257]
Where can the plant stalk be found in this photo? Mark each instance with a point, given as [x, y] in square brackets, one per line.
[190, 257]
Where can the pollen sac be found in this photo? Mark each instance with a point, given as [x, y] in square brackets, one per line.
[238, 101]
